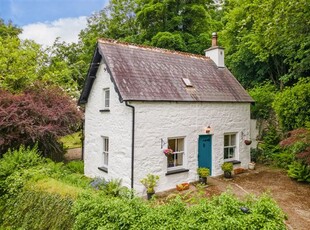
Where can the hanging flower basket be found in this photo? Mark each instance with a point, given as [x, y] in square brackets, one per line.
[168, 152]
[247, 142]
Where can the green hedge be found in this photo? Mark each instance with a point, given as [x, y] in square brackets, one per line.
[46, 195]
[38, 210]
[221, 212]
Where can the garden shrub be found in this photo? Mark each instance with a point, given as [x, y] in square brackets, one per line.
[283, 159]
[40, 114]
[75, 166]
[299, 171]
[292, 105]
[269, 145]
[102, 212]
[263, 96]
[221, 212]
[38, 210]
[20, 159]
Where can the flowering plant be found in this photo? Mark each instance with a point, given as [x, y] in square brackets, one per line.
[168, 152]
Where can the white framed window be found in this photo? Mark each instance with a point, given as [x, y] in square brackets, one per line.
[230, 146]
[106, 98]
[105, 151]
[176, 160]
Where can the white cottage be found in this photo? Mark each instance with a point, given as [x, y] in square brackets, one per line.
[142, 100]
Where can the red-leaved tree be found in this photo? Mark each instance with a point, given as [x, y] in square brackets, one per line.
[38, 115]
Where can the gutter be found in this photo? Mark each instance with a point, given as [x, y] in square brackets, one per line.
[132, 142]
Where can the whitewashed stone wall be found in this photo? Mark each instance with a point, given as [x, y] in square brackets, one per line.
[115, 124]
[254, 133]
[156, 121]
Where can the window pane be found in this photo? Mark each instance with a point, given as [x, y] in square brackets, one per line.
[105, 158]
[225, 153]
[105, 150]
[180, 145]
[179, 160]
[106, 145]
[233, 140]
[107, 98]
[226, 140]
[176, 159]
[171, 144]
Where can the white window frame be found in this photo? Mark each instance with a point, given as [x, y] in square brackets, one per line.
[105, 150]
[175, 155]
[231, 146]
[106, 100]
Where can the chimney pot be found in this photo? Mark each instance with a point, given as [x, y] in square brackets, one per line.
[214, 39]
[215, 52]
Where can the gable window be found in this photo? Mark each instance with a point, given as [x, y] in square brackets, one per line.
[105, 154]
[106, 96]
[229, 146]
[176, 159]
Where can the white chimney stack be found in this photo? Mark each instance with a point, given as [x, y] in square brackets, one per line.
[215, 52]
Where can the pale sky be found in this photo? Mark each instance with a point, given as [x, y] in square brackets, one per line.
[45, 20]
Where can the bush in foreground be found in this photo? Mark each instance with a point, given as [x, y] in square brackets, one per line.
[46, 195]
[220, 212]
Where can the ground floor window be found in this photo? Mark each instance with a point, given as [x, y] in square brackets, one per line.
[105, 151]
[229, 146]
[177, 158]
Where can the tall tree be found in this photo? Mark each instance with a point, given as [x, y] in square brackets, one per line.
[267, 40]
[177, 24]
[23, 62]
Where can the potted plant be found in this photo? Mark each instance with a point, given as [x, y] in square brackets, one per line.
[150, 182]
[203, 173]
[252, 165]
[227, 167]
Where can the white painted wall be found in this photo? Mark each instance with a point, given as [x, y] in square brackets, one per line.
[156, 121]
[254, 133]
[115, 124]
[216, 54]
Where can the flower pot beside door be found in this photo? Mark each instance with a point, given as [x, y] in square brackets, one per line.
[227, 167]
[203, 174]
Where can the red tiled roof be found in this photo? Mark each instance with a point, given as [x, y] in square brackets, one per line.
[151, 74]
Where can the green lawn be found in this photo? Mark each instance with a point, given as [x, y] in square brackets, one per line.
[72, 141]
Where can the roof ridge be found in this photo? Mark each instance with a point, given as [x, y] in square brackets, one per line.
[152, 48]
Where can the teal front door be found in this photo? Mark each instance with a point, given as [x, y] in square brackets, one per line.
[205, 151]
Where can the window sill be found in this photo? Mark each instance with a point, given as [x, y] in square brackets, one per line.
[234, 162]
[104, 169]
[104, 110]
[176, 171]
